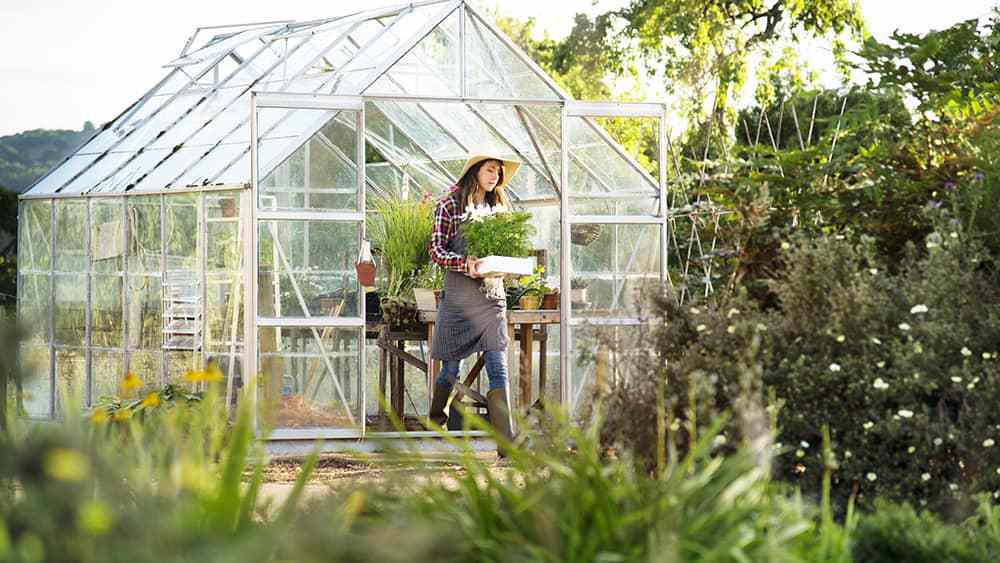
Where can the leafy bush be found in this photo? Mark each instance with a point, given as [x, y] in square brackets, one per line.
[896, 533]
[899, 360]
[506, 233]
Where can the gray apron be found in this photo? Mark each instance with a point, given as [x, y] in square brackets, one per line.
[467, 321]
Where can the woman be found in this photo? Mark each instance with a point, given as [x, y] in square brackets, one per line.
[468, 320]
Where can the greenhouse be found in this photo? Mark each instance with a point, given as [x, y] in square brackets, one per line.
[219, 218]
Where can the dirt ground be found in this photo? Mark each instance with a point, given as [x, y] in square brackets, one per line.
[334, 471]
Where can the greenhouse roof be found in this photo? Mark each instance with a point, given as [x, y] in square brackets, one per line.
[193, 127]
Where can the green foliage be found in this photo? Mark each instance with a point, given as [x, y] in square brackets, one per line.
[908, 351]
[898, 533]
[506, 233]
[24, 157]
[400, 231]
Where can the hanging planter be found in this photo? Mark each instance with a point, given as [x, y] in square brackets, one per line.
[584, 235]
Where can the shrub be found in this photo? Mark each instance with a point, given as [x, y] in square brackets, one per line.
[899, 360]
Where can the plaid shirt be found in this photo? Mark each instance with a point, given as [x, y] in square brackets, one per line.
[446, 221]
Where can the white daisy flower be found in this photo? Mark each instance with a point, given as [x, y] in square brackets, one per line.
[834, 367]
[871, 476]
[988, 443]
[966, 352]
[904, 327]
[917, 309]
[880, 383]
[905, 413]
[925, 477]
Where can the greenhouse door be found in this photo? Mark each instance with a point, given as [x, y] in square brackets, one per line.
[614, 230]
[304, 302]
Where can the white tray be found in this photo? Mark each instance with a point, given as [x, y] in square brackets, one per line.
[506, 265]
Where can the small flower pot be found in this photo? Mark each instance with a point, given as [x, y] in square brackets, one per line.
[530, 302]
[438, 296]
[551, 301]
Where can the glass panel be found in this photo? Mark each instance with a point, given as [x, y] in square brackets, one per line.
[494, 67]
[599, 172]
[62, 174]
[179, 363]
[33, 306]
[182, 231]
[107, 371]
[107, 235]
[614, 266]
[146, 365]
[600, 356]
[306, 269]
[36, 390]
[431, 68]
[71, 236]
[71, 380]
[207, 170]
[131, 171]
[310, 377]
[224, 312]
[106, 299]
[144, 234]
[71, 301]
[100, 170]
[321, 174]
[34, 251]
[145, 312]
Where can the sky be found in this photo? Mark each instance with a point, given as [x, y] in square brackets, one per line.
[63, 62]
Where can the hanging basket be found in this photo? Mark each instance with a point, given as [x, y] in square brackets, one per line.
[584, 235]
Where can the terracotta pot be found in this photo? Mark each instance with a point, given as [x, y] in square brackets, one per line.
[551, 301]
[366, 273]
[529, 302]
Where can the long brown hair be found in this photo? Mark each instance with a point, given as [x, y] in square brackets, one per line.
[467, 186]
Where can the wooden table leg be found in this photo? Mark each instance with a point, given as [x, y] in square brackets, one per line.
[512, 334]
[383, 361]
[397, 382]
[527, 343]
[433, 366]
[542, 360]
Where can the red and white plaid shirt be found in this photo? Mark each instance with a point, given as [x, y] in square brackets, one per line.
[446, 220]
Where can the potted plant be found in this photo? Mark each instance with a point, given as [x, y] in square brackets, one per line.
[533, 287]
[501, 239]
[401, 231]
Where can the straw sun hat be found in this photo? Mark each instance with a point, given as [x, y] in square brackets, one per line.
[509, 166]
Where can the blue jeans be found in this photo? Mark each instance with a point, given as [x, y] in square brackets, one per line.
[496, 369]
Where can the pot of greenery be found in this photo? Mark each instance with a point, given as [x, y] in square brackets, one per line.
[401, 231]
[501, 238]
[533, 288]
[427, 287]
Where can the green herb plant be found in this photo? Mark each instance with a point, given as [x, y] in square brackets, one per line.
[401, 231]
[500, 234]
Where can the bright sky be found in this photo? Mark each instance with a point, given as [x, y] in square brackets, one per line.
[63, 62]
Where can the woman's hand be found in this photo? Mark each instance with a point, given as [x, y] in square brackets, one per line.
[472, 267]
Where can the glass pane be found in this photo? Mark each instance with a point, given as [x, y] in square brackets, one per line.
[144, 234]
[310, 377]
[107, 371]
[71, 236]
[34, 305]
[321, 173]
[145, 313]
[71, 302]
[71, 379]
[182, 231]
[55, 179]
[34, 243]
[614, 265]
[146, 364]
[602, 180]
[36, 391]
[600, 356]
[131, 171]
[306, 269]
[98, 171]
[179, 363]
[224, 312]
[107, 235]
[431, 68]
[106, 296]
[494, 67]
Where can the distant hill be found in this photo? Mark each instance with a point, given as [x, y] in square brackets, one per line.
[26, 156]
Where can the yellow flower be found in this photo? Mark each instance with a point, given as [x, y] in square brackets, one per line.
[131, 382]
[151, 400]
[99, 416]
[210, 375]
[122, 415]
